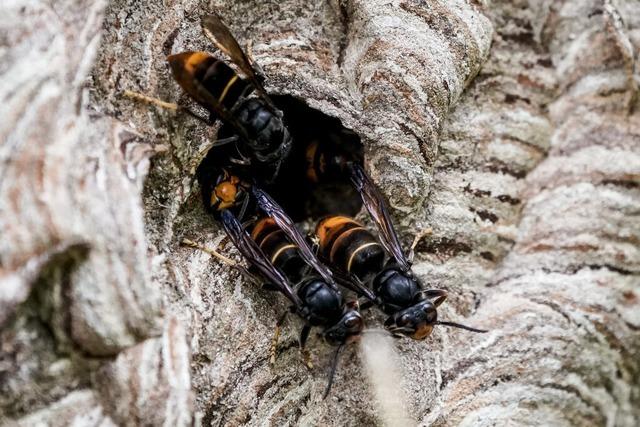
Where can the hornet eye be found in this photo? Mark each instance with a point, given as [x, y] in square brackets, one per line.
[404, 319]
[352, 322]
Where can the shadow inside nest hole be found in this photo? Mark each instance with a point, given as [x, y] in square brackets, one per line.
[300, 197]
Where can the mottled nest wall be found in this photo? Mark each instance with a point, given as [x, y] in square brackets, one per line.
[512, 129]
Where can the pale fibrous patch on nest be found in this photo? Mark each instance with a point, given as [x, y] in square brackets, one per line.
[384, 372]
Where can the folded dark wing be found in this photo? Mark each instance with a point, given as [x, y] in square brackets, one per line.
[254, 255]
[219, 34]
[274, 211]
[375, 203]
[351, 282]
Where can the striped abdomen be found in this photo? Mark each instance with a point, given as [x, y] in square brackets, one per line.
[282, 253]
[347, 245]
[217, 77]
[325, 162]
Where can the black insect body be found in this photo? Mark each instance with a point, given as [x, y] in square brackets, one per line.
[327, 159]
[326, 308]
[348, 246]
[317, 301]
[412, 309]
[254, 141]
[360, 262]
[355, 252]
[317, 175]
[257, 132]
[324, 299]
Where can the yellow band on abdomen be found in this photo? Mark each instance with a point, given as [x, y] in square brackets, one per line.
[361, 247]
[279, 251]
[232, 80]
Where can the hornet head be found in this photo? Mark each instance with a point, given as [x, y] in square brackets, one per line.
[347, 329]
[417, 320]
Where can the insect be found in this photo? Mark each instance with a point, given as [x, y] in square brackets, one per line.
[328, 159]
[278, 235]
[376, 269]
[320, 177]
[315, 299]
[256, 140]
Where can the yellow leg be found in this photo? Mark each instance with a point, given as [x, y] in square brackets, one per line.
[239, 267]
[150, 100]
[422, 234]
[212, 252]
[306, 358]
[273, 350]
[163, 104]
[416, 240]
[274, 346]
[249, 51]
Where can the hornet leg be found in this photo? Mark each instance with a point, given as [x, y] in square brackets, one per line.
[274, 341]
[248, 275]
[417, 238]
[166, 105]
[306, 356]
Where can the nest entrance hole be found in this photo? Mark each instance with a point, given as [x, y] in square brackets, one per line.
[301, 198]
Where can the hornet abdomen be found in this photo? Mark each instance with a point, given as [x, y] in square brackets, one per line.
[349, 246]
[217, 77]
[283, 254]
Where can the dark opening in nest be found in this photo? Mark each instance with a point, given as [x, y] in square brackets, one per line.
[301, 198]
